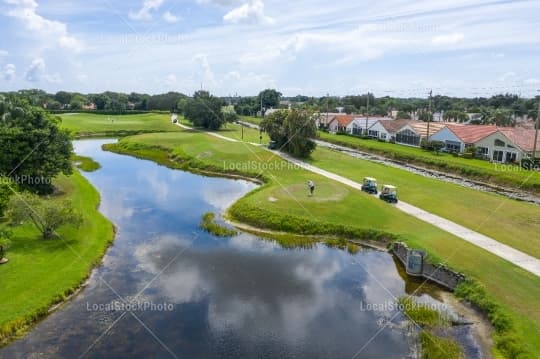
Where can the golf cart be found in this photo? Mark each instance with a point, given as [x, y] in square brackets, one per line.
[273, 145]
[370, 185]
[389, 194]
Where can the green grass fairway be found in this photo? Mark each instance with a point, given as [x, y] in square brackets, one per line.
[508, 221]
[88, 124]
[506, 175]
[234, 131]
[251, 119]
[41, 273]
[518, 291]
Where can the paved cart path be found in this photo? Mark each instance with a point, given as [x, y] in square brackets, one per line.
[520, 259]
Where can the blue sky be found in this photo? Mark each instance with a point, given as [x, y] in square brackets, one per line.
[389, 47]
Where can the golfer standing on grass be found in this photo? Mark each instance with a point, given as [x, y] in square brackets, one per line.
[311, 186]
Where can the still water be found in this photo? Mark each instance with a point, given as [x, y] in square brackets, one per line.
[192, 295]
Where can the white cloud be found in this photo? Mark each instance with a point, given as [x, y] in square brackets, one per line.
[3, 53]
[216, 2]
[531, 81]
[507, 76]
[82, 77]
[9, 72]
[145, 12]
[206, 74]
[54, 31]
[170, 80]
[170, 18]
[252, 11]
[448, 39]
[53, 79]
[34, 72]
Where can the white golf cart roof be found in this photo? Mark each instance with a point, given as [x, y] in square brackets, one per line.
[387, 186]
[371, 179]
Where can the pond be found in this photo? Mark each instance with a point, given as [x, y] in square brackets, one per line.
[166, 289]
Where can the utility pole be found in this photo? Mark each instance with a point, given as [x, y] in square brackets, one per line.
[367, 114]
[536, 127]
[327, 99]
[430, 116]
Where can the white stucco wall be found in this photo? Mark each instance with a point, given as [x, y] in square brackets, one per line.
[489, 143]
[383, 133]
[447, 135]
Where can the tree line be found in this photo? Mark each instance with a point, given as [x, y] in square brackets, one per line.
[500, 109]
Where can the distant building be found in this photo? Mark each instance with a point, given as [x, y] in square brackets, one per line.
[414, 132]
[340, 123]
[386, 129]
[322, 119]
[89, 106]
[458, 137]
[361, 125]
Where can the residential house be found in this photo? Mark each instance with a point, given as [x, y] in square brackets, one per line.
[340, 123]
[521, 139]
[360, 125]
[386, 129]
[89, 106]
[458, 137]
[414, 132]
[323, 119]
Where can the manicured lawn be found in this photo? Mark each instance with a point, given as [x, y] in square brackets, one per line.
[83, 124]
[233, 130]
[508, 221]
[286, 195]
[41, 273]
[251, 119]
[506, 175]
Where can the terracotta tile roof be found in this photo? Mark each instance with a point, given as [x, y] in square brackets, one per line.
[392, 126]
[521, 137]
[344, 120]
[471, 133]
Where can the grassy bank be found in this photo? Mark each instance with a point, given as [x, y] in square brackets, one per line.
[94, 125]
[510, 176]
[41, 273]
[208, 223]
[283, 204]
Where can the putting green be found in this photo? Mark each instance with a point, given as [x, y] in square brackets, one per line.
[324, 192]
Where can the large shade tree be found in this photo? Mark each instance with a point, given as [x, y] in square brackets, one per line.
[292, 131]
[204, 110]
[38, 149]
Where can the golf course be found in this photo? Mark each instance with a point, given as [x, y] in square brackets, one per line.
[506, 294]
[283, 204]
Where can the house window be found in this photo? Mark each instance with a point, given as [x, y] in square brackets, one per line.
[498, 156]
[356, 130]
[373, 133]
[511, 157]
[499, 143]
[408, 137]
[383, 136]
[453, 146]
[482, 152]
